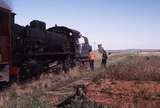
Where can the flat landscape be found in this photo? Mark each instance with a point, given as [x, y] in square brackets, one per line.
[131, 80]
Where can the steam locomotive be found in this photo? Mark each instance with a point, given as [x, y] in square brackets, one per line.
[27, 51]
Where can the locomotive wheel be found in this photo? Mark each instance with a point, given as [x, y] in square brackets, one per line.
[24, 73]
[30, 70]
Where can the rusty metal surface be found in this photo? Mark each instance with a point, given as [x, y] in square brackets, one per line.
[4, 48]
[4, 35]
[4, 43]
[0, 57]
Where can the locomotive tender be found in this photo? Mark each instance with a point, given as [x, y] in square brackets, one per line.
[27, 51]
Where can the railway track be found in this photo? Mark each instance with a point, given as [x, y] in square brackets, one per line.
[68, 88]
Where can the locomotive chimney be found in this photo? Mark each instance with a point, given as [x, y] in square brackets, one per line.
[38, 24]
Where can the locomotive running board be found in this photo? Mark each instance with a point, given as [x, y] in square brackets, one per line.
[4, 72]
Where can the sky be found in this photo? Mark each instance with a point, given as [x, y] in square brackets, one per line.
[116, 24]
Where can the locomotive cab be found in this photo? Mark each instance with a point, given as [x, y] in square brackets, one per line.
[5, 35]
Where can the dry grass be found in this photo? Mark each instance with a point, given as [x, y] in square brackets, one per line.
[136, 68]
[41, 93]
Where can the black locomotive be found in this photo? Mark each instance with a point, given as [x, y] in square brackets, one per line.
[27, 51]
[37, 48]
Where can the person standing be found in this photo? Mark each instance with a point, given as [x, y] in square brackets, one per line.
[104, 59]
[91, 57]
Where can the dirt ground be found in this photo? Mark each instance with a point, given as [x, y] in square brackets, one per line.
[134, 82]
[125, 94]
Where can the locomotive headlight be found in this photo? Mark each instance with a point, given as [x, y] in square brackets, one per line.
[70, 34]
